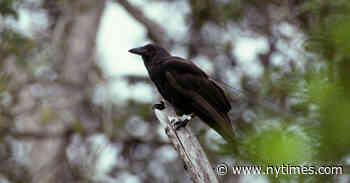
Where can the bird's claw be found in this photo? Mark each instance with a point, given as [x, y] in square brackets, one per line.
[180, 124]
[180, 121]
[159, 106]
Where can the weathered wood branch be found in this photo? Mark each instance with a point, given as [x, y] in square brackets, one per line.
[189, 149]
[155, 31]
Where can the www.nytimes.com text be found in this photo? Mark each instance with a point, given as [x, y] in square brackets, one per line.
[224, 169]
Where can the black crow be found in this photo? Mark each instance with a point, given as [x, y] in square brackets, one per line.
[187, 88]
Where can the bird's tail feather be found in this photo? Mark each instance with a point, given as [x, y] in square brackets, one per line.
[220, 122]
[226, 133]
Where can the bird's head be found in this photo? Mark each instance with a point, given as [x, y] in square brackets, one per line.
[149, 52]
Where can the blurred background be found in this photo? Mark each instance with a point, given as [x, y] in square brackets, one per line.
[75, 106]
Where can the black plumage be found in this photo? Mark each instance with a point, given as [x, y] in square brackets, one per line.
[187, 88]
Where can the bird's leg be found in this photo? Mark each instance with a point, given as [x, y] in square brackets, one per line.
[159, 106]
[180, 121]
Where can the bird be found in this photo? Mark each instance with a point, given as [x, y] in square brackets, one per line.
[187, 88]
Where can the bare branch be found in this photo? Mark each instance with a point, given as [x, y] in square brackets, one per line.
[39, 135]
[134, 79]
[155, 32]
[189, 149]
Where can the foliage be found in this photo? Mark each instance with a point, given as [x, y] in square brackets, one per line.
[282, 144]
[13, 43]
[314, 88]
[7, 8]
[322, 89]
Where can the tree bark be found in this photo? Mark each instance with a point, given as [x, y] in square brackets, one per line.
[47, 107]
[188, 148]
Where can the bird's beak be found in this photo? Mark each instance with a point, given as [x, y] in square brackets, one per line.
[138, 51]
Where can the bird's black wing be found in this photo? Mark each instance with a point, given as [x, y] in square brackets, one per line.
[192, 78]
[207, 98]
